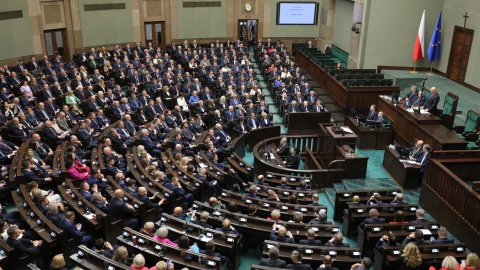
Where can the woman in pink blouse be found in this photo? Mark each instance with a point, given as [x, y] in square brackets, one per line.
[161, 236]
[78, 164]
[74, 173]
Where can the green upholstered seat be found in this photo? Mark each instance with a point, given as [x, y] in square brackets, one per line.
[341, 77]
[362, 82]
[470, 130]
[373, 82]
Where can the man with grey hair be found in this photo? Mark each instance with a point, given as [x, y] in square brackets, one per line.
[373, 219]
[297, 264]
[283, 236]
[442, 237]
[283, 148]
[202, 176]
[310, 239]
[420, 213]
[146, 141]
[202, 221]
[148, 203]
[252, 192]
[273, 260]
[336, 241]
[321, 218]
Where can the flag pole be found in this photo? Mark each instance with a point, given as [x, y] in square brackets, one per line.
[431, 67]
[414, 68]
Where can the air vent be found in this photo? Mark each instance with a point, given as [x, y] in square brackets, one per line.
[202, 4]
[97, 7]
[9, 15]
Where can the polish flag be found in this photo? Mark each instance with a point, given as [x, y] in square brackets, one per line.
[418, 48]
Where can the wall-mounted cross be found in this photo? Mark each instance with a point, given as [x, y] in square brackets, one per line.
[466, 17]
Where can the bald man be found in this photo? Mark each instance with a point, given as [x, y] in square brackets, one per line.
[283, 236]
[431, 104]
[178, 213]
[398, 199]
[148, 203]
[119, 209]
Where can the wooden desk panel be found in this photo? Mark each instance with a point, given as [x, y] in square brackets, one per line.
[355, 166]
[407, 178]
[368, 138]
[408, 127]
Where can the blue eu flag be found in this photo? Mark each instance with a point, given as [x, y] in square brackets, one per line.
[434, 47]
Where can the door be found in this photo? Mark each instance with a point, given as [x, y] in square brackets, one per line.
[56, 43]
[155, 33]
[247, 31]
[459, 53]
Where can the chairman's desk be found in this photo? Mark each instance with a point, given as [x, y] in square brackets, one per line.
[369, 138]
[408, 127]
[406, 177]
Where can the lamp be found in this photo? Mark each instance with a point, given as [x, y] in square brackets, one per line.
[355, 28]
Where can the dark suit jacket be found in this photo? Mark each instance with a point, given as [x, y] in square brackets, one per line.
[299, 266]
[291, 160]
[327, 268]
[119, 209]
[372, 221]
[273, 263]
[442, 241]
[311, 242]
[372, 115]
[431, 103]
[283, 150]
[282, 239]
[330, 244]
[69, 228]
[22, 246]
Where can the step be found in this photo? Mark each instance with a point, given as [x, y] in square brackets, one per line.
[334, 108]
[338, 117]
[326, 99]
[371, 183]
[330, 194]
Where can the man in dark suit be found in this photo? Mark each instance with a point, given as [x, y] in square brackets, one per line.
[327, 263]
[283, 184]
[71, 230]
[122, 210]
[415, 237]
[431, 104]
[178, 190]
[283, 149]
[147, 202]
[310, 239]
[321, 218]
[283, 236]
[210, 251]
[41, 113]
[398, 199]
[202, 221]
[442, 237]
[252, 122]
[273, 260]
[297, 264]
[416, 150]
[372, 114]
[373, 219]
[375, 199]
[336, 241]
[22, 245]
[291, 160]
[16, 129]
[420, 214]
[32, 176]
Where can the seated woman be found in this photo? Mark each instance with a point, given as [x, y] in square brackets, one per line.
[275, 216]
[35, 192]
[193, 98]
[30, 155]
[121, 256]
[77, 161]
[73, 172]
[148, 229]
[161, 236]
[182, 103]
[139, 263]
[184, 242]
[398, 218]
[411, 259]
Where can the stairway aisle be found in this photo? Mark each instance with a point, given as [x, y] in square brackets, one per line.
[277, 119]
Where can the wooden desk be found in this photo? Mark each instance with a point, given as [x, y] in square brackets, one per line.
[353, 217]
[406, 177]
[384, 260]
[344, 258]
[369, 138]
[407, 127]
[354, 166]
[371, 233]
[333, 138]
[344, 197]
[94, 261]
[301, 123]
[257, 135]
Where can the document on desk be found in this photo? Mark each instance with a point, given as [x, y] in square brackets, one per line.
[347, 130]
[204, 238]
[426, 231]
[89, 216]
[202, 165]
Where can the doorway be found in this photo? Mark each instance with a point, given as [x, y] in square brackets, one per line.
[56, 43]
[247, 31]
[155, 33]
[459, 53]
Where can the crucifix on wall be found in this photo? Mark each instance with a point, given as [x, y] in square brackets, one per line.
[466, 17]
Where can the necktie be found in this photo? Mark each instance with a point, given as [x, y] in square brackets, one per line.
[424, 157]
[6, 146]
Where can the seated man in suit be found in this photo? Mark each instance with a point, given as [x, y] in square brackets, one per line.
[415, 237]
[202, 221]
[72, 230]
[119, 209]
[222, 137]
[252, 122]
[398, 199]
[381, 119]
[210, 251]
[265, 121]
[31, 176]
[21, 245]
[310, 239]
[178, 190]
[375, 199]
[227, 228]
[431, 104]
[297, 264]
[420, 214]
[292, 159]
[85, 190]
[372, 114]
[283, 236]
[442, 237]
[283, 149]
[336, 241]
[147, 202]
[283, 184]
[327, 262]
[85, 135]
[365, 265]
[321, 218]
[373, 219]
[156, 147]
[273, 260]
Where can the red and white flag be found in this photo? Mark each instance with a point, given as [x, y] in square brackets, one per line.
[418, 48]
